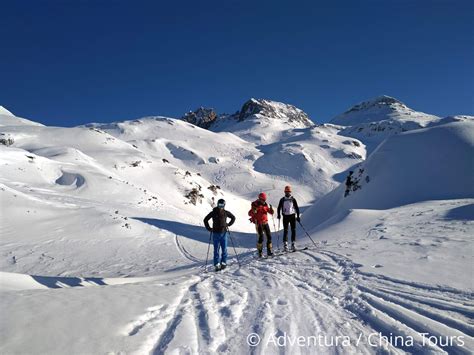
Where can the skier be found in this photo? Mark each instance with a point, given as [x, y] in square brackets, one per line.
[289, 207]
[219, 232]
[258, 215]
[348, 183]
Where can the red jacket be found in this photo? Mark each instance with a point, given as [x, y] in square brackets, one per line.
[258, 212]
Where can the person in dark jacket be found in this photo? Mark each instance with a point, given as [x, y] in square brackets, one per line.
[291, 214]
[219, 232]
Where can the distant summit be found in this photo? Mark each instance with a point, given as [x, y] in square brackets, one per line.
[202, 117]
[254, 109]
[379, 109]
[274, 109]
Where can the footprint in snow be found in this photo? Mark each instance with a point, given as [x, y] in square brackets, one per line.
[377, 266]
[281, 302]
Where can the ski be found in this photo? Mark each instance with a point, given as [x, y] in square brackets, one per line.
[302, 249]
[289, 251]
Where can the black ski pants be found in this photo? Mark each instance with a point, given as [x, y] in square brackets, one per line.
[264, 228]
[289, 220]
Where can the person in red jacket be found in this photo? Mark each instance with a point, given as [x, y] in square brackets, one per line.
[258, 215]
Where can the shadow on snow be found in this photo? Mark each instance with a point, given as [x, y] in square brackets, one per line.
[61, 282]
[199, 233]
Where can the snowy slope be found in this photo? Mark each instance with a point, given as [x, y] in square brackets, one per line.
[9, 119]
[206, 313]
[96, 229]
[5, 112]
[427, 164]
[123, 179]
[309, 157]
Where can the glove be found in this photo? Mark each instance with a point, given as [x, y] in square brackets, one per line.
[279, 217]
[209, 229]
[298, 219]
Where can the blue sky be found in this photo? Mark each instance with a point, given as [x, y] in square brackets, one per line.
[67, 62]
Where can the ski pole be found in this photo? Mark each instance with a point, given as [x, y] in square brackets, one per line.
[278, 235]
[274, 228]
[233, 245]
[208, 248]
[308, 234]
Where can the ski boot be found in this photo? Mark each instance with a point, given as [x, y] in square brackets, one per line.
[217, 268]
[285, 247]
[269, 249]
[223, 266]
[293, 247]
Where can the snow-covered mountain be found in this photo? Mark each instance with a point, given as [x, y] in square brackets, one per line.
[308, 157]
[258, 120]
[102, 224]
[374, 120]
[272, 109]
[154, 167]
[382, 108]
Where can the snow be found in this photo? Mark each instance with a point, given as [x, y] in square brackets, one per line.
[375, 120]
[7, 118]
[103, 247]
[5, 112]
[426, 164]
[382, 108]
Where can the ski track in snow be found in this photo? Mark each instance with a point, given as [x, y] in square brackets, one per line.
[309, 293]
[182, 250]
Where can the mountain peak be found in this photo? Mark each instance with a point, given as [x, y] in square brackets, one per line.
[4, 111]
[381, 108]
[207, 117]
[202, 117]
[380, 101]
[273, 109]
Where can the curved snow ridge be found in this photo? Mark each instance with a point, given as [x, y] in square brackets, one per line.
[16, 282]
[69, 179]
